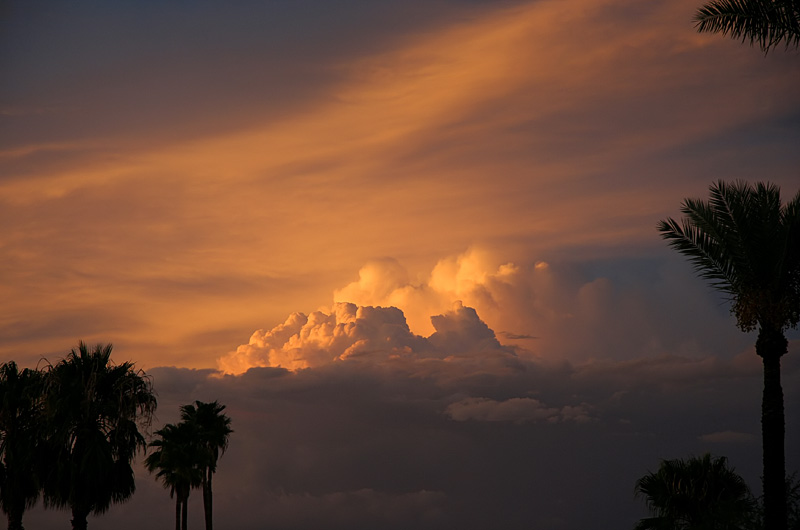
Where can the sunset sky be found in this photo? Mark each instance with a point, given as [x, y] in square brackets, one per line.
[425, 227]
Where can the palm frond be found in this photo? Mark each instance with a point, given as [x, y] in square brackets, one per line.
[744, 243]
[703, 250]
[765, 22]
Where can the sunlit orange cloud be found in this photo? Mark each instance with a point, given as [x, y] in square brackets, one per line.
[536, 311]
[501, 130]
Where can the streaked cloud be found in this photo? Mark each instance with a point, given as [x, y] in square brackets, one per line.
[540, 131]
[515, 410]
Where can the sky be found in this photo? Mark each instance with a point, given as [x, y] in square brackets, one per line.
[411, 245]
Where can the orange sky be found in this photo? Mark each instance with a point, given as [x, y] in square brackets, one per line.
[529, 131]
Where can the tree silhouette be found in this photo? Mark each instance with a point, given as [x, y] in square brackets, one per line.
[176, 461]
[20, 450]
[94, 410]
[696, 494]
[766, 22]
[211, 429]
[747, 245]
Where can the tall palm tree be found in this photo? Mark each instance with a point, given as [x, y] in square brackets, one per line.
[696, 494]
[766, 22]
[176, 461]
[94, 409]
[20, 408]
[212, 429]
[747, 244]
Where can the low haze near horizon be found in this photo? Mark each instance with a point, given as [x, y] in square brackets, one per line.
[428, 228]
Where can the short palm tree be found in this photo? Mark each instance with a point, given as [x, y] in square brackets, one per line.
[212, 429]
[766, 22]
[94, 409]
[696, 494]
[20, 447]
[747, 244]
[176, 461]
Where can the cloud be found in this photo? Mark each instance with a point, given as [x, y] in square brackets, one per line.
[538, 129]
[727, 437]
[515, 410]
[456, 442]
[472, 277]
[359, 333]
[600, 310]
[575, 310]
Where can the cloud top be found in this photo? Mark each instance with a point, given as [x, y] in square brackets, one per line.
[350, 332]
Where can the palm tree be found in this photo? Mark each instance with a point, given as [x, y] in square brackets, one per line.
[94, 409]
[212, 429]
[748, 246]
[696, 494]
[177, 462]
[20, 408]
[767, 22]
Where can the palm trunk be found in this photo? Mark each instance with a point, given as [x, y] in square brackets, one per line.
[207, 500]
[185, 513]
[79, 516]
[771, 345]
[15, 519]
[178, 512]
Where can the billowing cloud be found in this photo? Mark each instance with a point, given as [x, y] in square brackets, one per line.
[305, 341]
[350, 332]
[471, 277]
[473, 302]
[559, 310]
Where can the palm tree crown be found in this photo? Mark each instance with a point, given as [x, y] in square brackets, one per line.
[766, 22]
[94, 410]
[698, 493]
[747, 245]
[20, 450]
[176, 461]
[212, 429]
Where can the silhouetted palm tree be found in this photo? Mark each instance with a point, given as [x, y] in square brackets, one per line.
[766, 22]
[696, 494]
[94, 409]
[20, 408]
[212, 429]
[748, 245]
[177, 463]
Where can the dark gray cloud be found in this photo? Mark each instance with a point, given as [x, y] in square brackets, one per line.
[433, 443]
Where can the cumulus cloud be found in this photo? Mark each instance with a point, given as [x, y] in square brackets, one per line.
[583, 311]
[472, 277]
[351, 332]
[555, 311]
[304, 341]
